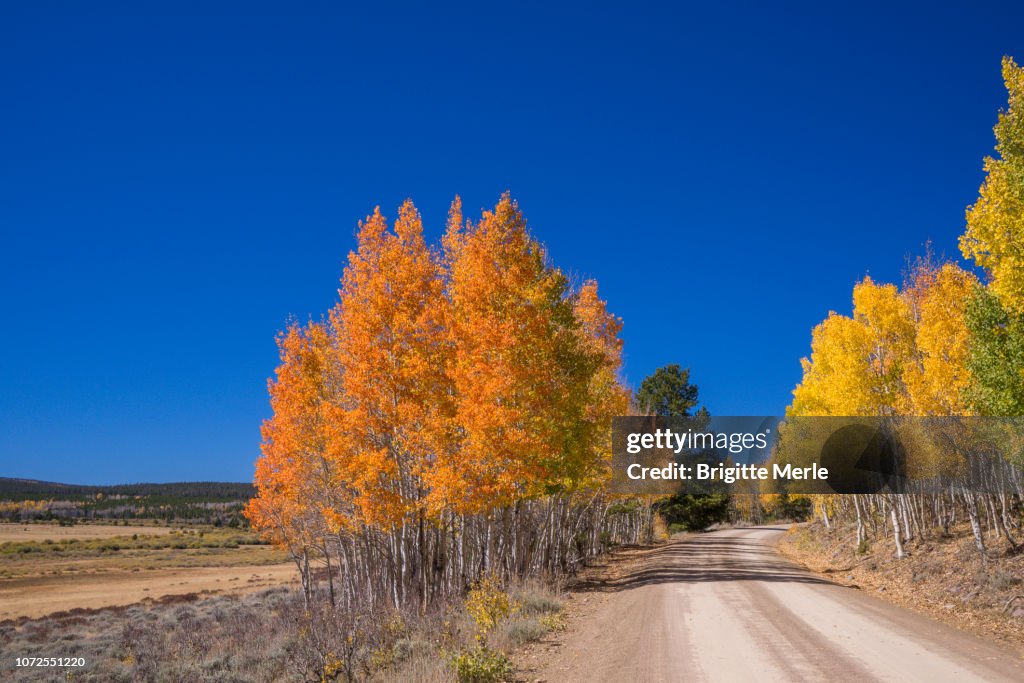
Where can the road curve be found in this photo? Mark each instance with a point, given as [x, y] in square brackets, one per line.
[726, 606]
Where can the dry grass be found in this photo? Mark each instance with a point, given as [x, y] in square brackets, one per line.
[43, 531]
[108, 565]
[159, 613]
[36, 597]
[178, 639]
[265, 636]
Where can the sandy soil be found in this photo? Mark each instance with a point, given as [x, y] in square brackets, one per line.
[726, 606]
[55, 532]
[37, 597]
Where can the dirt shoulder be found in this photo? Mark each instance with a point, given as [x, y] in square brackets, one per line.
[944, 578]
[585, 595]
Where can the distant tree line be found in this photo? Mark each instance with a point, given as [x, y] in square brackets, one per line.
[217, 503]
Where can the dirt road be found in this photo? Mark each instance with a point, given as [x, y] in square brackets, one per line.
[725, 606]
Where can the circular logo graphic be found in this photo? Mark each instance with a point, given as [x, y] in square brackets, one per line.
[861, 459]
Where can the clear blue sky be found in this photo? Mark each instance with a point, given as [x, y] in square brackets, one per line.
[175, 183]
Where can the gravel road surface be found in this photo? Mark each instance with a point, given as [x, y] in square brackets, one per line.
[726, 606]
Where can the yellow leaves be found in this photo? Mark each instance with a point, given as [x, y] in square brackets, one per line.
[994, 237]
[488, 604]
[939, 378]
[837, 377]
[910, 352]
[901, 352]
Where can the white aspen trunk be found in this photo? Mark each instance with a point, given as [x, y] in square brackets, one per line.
[860, 522]
[905, 515]
[972, 513]
[896, 532]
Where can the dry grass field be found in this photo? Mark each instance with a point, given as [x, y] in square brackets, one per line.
[47, 568]
[38, 597]
[43, 531]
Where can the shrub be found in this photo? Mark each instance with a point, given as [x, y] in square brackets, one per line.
[488, 604]
[538, 603]
[693, 512]
[521, 631]
[553, 622]
[998, 580]
[481, 665]
[405, 649]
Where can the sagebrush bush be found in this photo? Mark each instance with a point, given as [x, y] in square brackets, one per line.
[997, 580]
[273, 637]
[539, 603]
[519, 632]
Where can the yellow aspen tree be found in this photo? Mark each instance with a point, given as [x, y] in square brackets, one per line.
[836, 378]
[938, 379]
[886, 316]
[994, 237]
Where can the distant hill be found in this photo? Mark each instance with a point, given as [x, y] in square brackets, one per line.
[23, 489]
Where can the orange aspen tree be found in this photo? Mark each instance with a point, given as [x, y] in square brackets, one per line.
[439, 426]
[292, 482]
[606, 395]
[389, 327]
[391, 342]
[520, 373]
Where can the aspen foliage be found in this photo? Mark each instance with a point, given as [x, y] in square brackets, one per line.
[946, 345]
[520, 371]
[394, 392]
[449, 420]
[938, 379]
[994, 238]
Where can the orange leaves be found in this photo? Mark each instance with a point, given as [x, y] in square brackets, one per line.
[288, 473]
[607, 396]
[391, 343]
[459, 380]
[520, 371]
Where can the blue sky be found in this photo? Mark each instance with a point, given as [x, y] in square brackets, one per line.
[175, 183]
